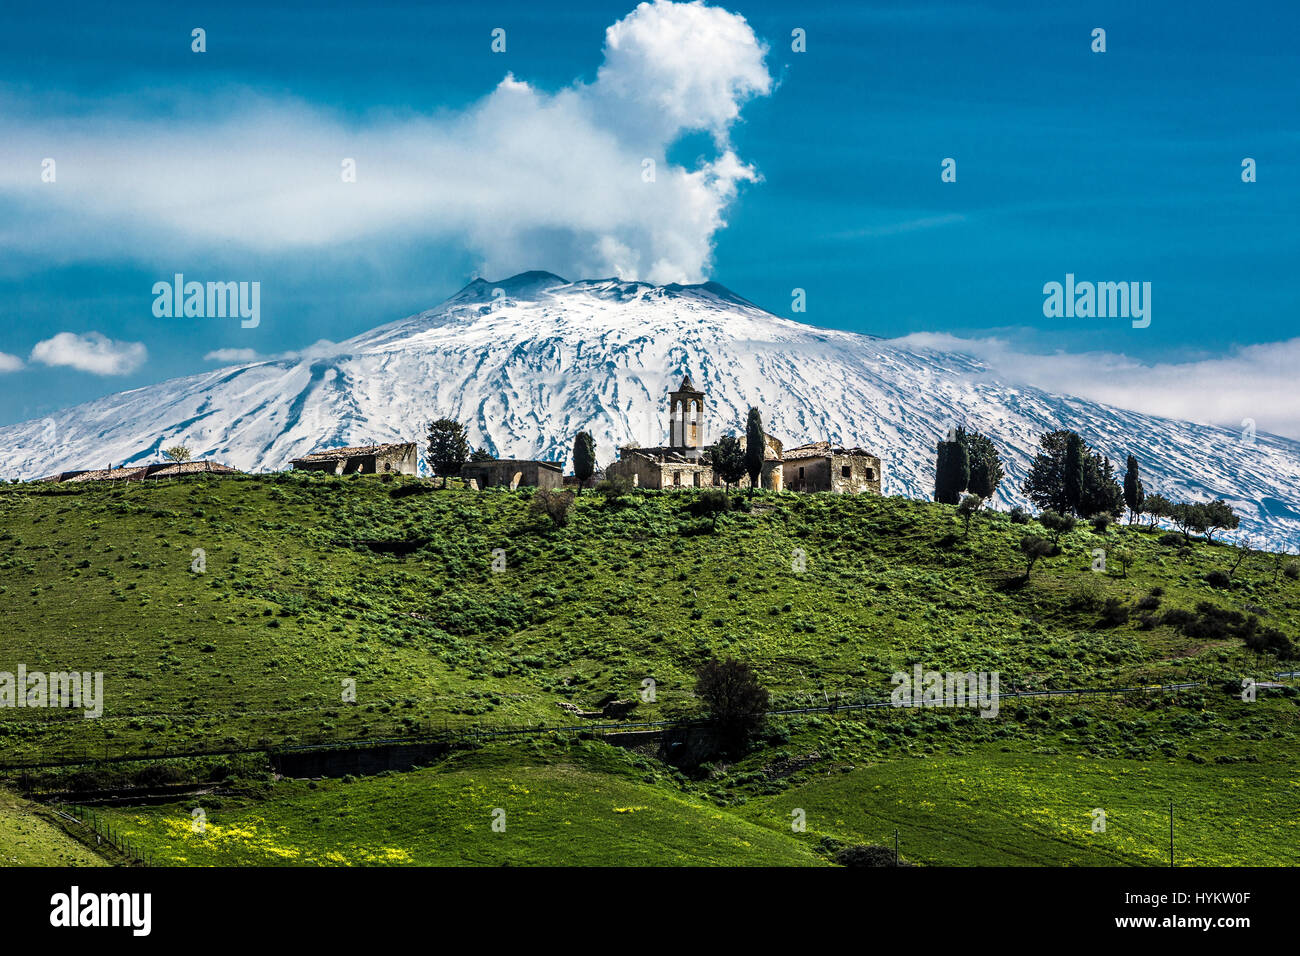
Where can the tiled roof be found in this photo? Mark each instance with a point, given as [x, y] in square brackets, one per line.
[172, 469]
[335, 453]
[164, 469]
[512, 461]
[663, 455]
[824, 449]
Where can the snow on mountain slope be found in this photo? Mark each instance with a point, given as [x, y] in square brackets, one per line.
[529, 361]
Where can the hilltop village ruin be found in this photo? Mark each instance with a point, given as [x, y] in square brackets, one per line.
[684, 462]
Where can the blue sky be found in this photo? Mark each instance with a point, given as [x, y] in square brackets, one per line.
[1115, 166]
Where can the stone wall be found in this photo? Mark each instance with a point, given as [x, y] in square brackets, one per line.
[505, 473]
[808, 474]
[398, 459]
[855, 474]
[645, 472]
[850, 474]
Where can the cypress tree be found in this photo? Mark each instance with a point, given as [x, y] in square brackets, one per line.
[1074, 472]
[755, 446]
[1133, 491]
[584, 458]
[951, 470]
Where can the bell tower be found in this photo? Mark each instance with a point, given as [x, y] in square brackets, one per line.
[686, 416]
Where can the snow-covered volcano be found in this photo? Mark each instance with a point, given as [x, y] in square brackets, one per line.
[528, 361]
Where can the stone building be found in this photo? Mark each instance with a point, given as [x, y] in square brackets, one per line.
[822, 466]
[505, 473]
[686, 416]
[662, 467]
[399, 459]
[165, 469]
[686, 462]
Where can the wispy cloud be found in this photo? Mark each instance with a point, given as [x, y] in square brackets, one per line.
[9, 363]
[519, 171]
[1255, 382]
[322, 348]
[898, 228]
[233, 356]
[92, 352]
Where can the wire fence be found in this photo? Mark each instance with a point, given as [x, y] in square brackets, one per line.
[74, 753]
[98, 830]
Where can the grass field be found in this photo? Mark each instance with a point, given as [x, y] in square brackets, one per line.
[582, 805]
[548, 808]
[28, 837]
[310, 581]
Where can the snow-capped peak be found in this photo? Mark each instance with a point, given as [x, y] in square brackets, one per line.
[528, 361]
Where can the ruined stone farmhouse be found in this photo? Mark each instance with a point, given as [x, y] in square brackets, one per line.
[399, 459]
[686, 462]
[507, 473]
[165, 469]
[822, 466]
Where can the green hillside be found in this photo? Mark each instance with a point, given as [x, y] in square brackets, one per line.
[310, 581]
[29, 836]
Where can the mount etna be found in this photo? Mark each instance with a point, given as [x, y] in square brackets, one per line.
[528, 361]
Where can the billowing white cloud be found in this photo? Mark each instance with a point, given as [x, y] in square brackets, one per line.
[1255, 382]
[524, 178]
[92, 352]
[9, 363]
[682, 66]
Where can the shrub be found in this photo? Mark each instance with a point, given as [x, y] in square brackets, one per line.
[1209, 622]
[410, 488]
[1292, 570]
[554, 504]
[696, 526]
[967, 507]
[1114, 612]
[712, 503]
[1101, 522]
[1033, 547]
[1217, 579]
[1178, 618]
[868, 854]
[1086, 594]
[613, 489]
[1019, 515]
[1171, 540]
[1270, 640]
[735, 699]
[1057, 524]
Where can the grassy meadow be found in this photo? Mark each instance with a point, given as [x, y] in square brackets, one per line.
[228, 611]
